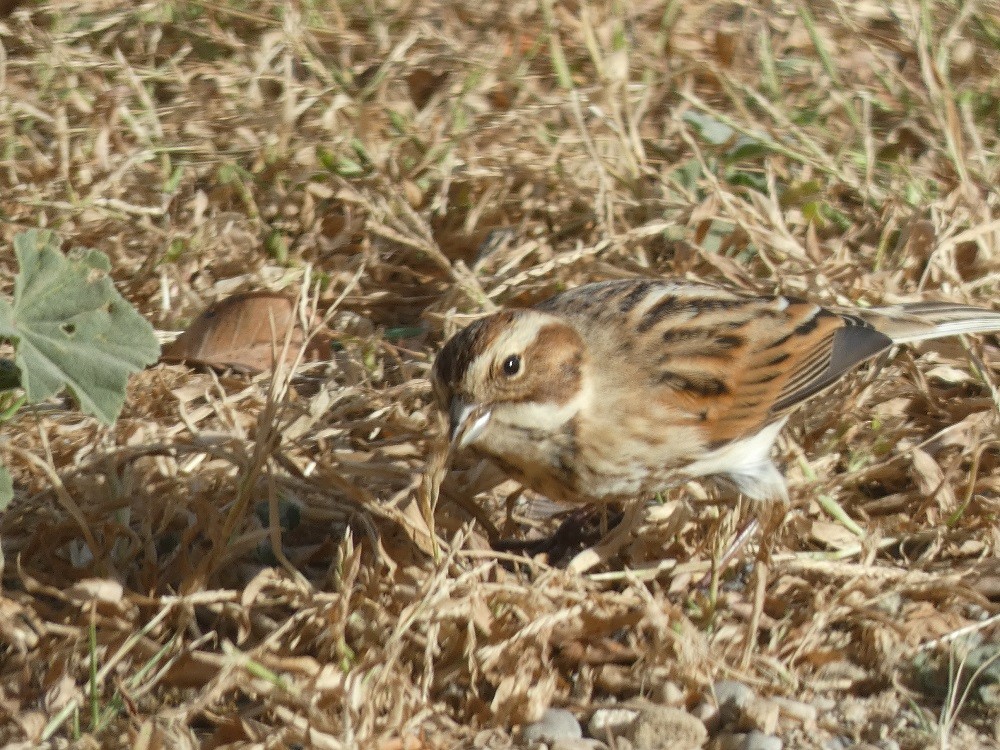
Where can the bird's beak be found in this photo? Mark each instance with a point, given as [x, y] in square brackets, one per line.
[466, 422]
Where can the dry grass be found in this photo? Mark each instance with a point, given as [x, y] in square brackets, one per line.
[263, 570]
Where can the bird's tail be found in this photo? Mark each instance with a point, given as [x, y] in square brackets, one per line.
[920, 321]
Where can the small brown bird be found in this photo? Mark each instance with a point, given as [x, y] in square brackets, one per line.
[625, 388]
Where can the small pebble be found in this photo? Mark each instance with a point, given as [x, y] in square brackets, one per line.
[670, 694]
[605, 722]
[708, 714]
[666, 728]
[731, 697]
[555, 725]
[760, 714]
[584, 744]
[890, 603]
[963, 52]
[749, 741]
[761, 741]
[804, 713]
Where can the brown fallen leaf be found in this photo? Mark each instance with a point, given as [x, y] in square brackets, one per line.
[245, 332]
[422, 84]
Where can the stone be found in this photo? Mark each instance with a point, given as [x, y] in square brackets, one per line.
[804, 713]
[761, 741]
[610, 722]
[760, 714]
[555, 725]
[666, 728]
[749, 741]
[732, 697]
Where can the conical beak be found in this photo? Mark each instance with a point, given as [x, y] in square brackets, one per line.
[466, 422]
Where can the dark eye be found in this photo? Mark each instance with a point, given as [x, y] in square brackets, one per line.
[512, 365]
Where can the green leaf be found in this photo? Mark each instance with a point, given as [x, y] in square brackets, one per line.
[748, 149]
[6, 488]
[71, 327]
[709, 128]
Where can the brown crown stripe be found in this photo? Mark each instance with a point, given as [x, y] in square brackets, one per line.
[604, 295]
[461, 351]
[714, 304]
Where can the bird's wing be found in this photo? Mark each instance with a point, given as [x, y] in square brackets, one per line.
[731, 363]
[744, 367]
[737, 362]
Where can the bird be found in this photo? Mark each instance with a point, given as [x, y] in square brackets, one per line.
[626, 388]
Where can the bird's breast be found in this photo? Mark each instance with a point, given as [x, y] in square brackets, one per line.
[595, 454]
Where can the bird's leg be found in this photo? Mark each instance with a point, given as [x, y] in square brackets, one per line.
[731, 552]
[580, 530]
[738, 543]
[509, 504]
[611, 542]
[770, 519]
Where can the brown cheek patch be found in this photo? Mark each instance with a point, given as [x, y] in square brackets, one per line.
[554, 365]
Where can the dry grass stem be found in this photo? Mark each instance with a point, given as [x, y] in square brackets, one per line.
[293, 559]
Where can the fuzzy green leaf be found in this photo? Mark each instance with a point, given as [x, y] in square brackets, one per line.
[72, 328]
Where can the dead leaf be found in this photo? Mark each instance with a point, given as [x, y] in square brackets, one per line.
[949, 374]
[728, 38]
[984, 578]
[833, 535]
[422, 84]
[930, 479]
[20, 627]
[99, 589]
[918, 239]
[245, 332]
[413, 520]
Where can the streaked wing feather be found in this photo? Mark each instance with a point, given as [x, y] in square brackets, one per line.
[777, 353]
[835, 356]
[736, 362]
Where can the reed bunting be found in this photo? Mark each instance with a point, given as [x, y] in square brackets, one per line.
[621, 389]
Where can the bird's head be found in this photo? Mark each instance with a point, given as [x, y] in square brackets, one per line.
[509, 374]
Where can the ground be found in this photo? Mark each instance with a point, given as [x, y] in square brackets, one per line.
[243, 560]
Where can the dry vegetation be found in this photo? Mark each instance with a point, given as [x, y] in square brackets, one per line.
[238, 561]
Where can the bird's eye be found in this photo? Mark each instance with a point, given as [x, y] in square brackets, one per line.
[512, 365]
